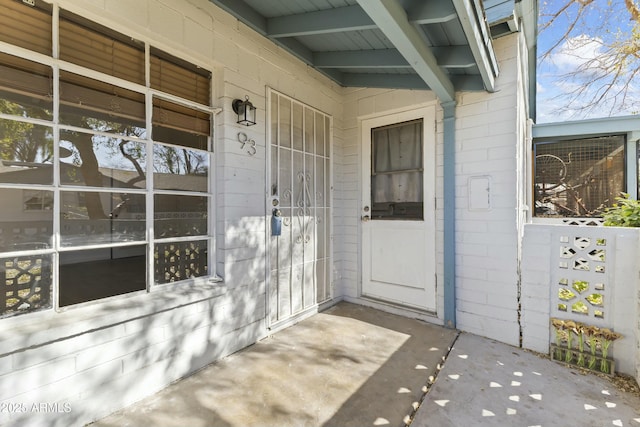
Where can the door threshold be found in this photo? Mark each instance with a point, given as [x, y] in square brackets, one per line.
[399, 307]
[301, 315]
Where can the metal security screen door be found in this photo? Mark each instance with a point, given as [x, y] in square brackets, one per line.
[299, 199]
[398, 212]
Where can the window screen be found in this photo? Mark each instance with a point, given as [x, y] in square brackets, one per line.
[578, 178]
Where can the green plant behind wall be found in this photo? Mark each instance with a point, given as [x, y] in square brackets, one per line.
[624, 213]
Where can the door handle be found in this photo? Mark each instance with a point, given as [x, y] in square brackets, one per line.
[276, 222]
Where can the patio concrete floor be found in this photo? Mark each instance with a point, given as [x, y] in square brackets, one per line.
[355, 366]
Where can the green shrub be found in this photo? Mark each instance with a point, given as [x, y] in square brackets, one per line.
[624, 213]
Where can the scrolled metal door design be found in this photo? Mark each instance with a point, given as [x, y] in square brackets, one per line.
[300, 255]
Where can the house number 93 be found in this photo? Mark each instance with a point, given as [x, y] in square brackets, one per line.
[248, 144]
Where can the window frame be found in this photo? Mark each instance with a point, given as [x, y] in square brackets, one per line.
[630, 161]
[148, 191]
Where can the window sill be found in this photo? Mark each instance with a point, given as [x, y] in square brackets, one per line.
[41, 328]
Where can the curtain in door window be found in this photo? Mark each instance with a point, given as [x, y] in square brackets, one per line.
[396, 177]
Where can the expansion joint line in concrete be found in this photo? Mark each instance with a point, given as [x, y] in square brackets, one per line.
[427, 387]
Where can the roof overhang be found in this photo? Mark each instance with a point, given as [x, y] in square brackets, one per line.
[443, 45]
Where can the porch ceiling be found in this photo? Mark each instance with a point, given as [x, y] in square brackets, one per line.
[442, 45]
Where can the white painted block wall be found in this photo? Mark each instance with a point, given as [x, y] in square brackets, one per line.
[97, 360]
[104, 356]
[489, 131]
[536, 276]
[638, 338]
[487, 138]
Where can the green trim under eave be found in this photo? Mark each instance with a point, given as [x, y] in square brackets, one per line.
[449, 190]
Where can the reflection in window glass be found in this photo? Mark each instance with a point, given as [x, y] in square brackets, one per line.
[180, 169]
[92, 218]
[26, 284]
[175, 261]
[37, 200]
[75, 185]
[179, 216]
[26, 88]
[578, 178]
[100, 106]
[179, 125]
[100, 161]
[26, 153]
[27, 225]
[89, 275]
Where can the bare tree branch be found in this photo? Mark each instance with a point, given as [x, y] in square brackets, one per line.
[605, 55]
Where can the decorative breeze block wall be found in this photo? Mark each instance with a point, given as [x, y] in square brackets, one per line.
[581, 276]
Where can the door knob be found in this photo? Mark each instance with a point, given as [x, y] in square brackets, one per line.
[365, 218]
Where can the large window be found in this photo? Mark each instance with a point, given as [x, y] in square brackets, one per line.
[104, 170]
[578, 178]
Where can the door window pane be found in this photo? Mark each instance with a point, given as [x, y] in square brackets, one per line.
[396, 171]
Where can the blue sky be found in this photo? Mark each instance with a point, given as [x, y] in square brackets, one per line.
[604, 21]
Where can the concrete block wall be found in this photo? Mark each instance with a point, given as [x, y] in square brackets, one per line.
[626, 281]
[107, 355]
[487, 139]
[101, 357]
[535, 284]
[89, 362]
[489, 133]
[638, 336]
[541, 249]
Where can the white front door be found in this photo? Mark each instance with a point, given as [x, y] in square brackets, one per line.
[398, 209]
